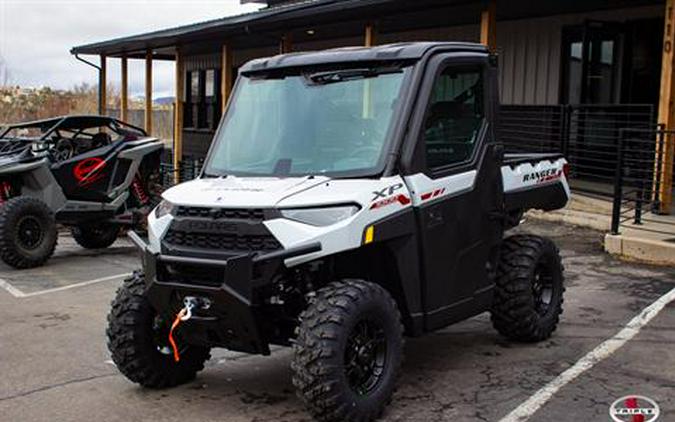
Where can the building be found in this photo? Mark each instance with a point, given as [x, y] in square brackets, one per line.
[606, 56]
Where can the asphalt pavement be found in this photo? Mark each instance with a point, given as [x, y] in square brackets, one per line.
[54, 364]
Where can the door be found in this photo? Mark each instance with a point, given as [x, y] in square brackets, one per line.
[87, 177]
[592, 63]
[459, 192]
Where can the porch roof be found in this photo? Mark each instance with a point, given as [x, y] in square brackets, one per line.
[257, 28]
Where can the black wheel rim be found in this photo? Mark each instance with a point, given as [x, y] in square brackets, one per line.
[542, 289]
[30, 233]
[101, 230]
[365, 356]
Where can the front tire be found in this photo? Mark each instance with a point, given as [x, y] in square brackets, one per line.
[95, 236]
[529, 289]
[27, 232]
[348, 352]
[137, 340]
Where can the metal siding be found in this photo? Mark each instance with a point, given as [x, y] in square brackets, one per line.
[530, 52]
[202, 62]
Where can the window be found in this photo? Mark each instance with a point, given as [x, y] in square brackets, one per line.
[454, 117]
[308, 123]
[591, 66]
[202, 108]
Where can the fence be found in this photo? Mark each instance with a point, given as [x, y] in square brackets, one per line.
[187, 170]
[588, 136]
[638, 181]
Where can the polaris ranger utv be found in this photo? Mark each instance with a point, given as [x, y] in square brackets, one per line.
[350, 197]
[94, 174]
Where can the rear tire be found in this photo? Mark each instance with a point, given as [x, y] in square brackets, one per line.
[529, 289]
[348, 352]
[95, 236]
[137, 340]
[28, 233]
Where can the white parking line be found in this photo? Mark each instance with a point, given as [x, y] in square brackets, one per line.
[595, 356]
[19, 294]
[11, 289]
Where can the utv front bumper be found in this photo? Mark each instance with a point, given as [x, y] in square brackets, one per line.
[233, 320]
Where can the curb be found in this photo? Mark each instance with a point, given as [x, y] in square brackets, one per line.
[637, 249]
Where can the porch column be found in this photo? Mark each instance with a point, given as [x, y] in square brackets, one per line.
[488, 26]
[226, 76]
[178, 111]
[148, 92]
[286, 43]
[102, 81]
[370, 35]
[667, 112]
[124, 90]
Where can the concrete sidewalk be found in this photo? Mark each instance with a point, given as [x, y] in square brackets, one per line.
[651, 242]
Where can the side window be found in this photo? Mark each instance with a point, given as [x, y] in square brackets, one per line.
[454, 116]
[202, 102]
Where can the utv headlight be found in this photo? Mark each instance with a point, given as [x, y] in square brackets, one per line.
[165, 207]
[321, 216]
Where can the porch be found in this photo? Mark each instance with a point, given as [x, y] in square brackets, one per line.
[609, 57]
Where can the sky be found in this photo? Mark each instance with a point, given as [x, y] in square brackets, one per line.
[37, 35]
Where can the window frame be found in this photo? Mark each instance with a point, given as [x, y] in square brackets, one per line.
[197, 107]
[444, 62]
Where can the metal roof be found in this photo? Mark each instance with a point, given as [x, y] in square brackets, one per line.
[228, 25]
[271, 21]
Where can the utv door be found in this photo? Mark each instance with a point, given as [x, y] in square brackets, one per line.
[458, 189]
[87, 177]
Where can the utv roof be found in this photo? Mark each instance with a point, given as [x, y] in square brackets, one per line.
[69, 122]
[81, 122]
[388, 52]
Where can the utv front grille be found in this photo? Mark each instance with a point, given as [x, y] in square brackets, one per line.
[222, 242]
[255, 214]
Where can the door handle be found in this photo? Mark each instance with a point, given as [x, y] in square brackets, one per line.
[434, 217]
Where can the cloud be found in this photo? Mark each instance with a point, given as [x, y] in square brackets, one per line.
[37, 35]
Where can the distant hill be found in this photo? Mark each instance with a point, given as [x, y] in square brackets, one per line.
[163, 100]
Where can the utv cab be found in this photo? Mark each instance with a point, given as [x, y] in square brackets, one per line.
[350, 196]
[94, 174]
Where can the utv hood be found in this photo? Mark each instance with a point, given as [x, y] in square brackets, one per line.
[235, 192]
[20, 157]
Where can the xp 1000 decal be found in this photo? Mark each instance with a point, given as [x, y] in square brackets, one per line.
[386, 196]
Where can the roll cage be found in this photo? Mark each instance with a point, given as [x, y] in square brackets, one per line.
[76, 126]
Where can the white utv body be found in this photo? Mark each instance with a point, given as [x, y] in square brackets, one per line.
[350, 196]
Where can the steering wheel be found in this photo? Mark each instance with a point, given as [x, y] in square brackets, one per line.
[63, 150]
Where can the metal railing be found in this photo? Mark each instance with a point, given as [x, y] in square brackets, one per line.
[588, 136]
[638, 179]
[188, 169]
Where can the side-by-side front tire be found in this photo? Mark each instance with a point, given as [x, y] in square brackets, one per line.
[529, 289]
[348, 352]
[138, 341]
[27, 232]
[95, 236]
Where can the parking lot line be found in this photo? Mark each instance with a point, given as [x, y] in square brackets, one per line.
[595, 356]
[11, 289]
[19, 294]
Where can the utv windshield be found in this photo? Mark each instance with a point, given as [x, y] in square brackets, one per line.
[330, 122]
